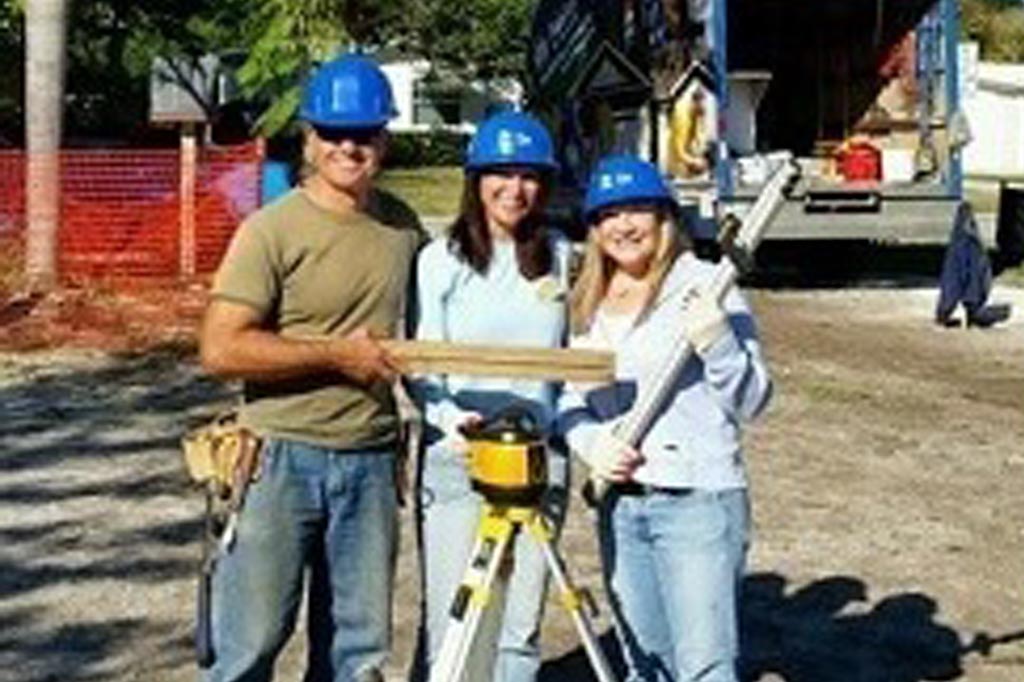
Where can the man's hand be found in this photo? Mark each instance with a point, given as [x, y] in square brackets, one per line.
[235, 344]
[361, 358]
[704, 322]
[611, 458]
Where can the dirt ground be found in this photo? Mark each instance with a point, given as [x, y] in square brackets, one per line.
[886, 479]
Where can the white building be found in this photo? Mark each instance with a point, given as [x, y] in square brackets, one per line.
[993, 100]
[426, 102]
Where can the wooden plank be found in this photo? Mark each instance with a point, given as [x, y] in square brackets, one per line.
[187, 201]
[438, 357]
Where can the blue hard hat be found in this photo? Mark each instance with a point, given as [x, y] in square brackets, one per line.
[511, 138]
[348, 92]
[624, 179]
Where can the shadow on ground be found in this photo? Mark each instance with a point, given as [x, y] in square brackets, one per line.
[81, 453]
[826, 631]
[839, 264]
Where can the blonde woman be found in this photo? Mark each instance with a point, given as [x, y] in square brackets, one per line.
[673, 527]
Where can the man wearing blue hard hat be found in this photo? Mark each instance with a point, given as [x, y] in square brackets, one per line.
[309, 284]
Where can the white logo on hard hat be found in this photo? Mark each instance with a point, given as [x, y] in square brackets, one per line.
[343, 92]
[506, 143]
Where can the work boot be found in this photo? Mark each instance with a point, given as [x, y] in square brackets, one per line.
[988, 315]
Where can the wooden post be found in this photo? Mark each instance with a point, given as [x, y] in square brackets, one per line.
[187, 201]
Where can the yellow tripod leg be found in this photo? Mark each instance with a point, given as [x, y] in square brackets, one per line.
[575, 600]
[481, 592]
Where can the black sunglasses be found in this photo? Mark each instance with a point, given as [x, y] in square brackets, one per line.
[362, 137]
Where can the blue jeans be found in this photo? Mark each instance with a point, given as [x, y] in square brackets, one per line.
[335, 512]
[450, 511]
[673, 563]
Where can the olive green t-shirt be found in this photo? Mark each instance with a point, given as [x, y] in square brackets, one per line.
[311, 272]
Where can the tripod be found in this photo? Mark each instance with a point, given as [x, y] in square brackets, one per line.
[484, 580]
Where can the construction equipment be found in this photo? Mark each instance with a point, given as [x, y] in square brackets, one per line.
[739, 241]
[508, 467]
[754, 78]
[507, 458]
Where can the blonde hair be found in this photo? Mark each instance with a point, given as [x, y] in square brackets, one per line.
[596, 272]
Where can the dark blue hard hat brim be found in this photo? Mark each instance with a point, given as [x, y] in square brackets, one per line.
[485, 165]
[653, 202]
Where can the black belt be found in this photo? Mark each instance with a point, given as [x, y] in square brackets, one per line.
[634, 489]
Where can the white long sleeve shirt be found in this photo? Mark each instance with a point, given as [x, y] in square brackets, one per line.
[694, 442]
[500, 307]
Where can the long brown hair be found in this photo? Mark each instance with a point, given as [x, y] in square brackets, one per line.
[596, 272]
[469, 237]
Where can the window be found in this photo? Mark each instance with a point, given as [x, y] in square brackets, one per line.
[435, 104]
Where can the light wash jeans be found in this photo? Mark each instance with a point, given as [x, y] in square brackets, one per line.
[335, 512]
[673, 564]
[449, 513]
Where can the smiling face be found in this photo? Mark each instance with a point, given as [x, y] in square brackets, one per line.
[346, 161]
[630, 236]
[508, 196]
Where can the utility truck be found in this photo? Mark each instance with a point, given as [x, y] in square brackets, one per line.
[864, 93]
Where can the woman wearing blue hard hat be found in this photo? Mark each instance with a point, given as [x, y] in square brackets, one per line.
[498, 277]
[673, 524]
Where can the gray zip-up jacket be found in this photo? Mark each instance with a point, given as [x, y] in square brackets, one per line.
[694, 442]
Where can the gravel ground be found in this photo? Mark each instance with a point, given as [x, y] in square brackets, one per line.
[886, 482]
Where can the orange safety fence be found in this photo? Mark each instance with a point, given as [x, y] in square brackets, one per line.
[121, 210]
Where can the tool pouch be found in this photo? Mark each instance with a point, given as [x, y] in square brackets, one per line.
[223, 456]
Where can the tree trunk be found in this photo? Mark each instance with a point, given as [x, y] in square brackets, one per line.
[45, 37]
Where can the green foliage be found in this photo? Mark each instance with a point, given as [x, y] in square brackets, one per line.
[433, 148]
[1006, 36]
[998, 26]
[475, 38]
[112, 45]
[470, 38]
[433, 191]
[288, 39]
[12, 69]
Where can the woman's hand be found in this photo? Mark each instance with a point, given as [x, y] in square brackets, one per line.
[457, 442]
[611, 458]
[704, 322]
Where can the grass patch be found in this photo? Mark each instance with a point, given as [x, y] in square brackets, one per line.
[1012, 277]
[984, 198]
[431, 191]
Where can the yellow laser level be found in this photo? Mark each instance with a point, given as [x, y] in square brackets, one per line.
[508, 458]
[508, 467]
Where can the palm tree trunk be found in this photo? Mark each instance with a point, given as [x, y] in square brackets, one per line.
[45, 37]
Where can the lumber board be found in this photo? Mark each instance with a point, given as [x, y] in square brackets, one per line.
[439, 357]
